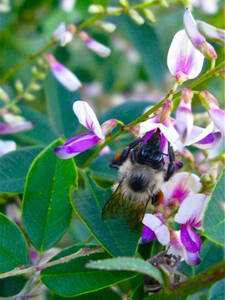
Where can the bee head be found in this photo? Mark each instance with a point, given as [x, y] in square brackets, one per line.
[151, 152]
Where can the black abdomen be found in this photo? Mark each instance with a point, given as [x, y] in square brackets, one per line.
[138, 183]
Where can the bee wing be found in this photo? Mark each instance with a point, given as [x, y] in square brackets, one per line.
[118, 207]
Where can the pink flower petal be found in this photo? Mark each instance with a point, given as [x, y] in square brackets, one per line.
[183, 57]
[198, 133]
[190, 239]
[105, 150]
[6, 146]
[63, 75]
[160, 230]
[191, 209]
[108, 126]
[180, 186]
[210, 141]
[184, 116]
[18, 127]
[87, 117]
[76, 145]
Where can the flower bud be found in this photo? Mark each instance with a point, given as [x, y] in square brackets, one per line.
[197, 39]
[163, 3]
[3, 96]
[96, 9]
[134, 15]
[124, 3]
[149, 15]
[34, 87]
[28, 96]
[106, 26]
[114, 11]
[15, 109]
[211, 32]
[19, 86]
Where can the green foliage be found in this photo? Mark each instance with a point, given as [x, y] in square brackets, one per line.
[14, 167]
[13, 246]
[113, 235]
[46, 206]
[213, 222]
[12, 286]
[73, 278]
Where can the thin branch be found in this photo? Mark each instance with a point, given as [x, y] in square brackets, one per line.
[61, 260]
[193, 284]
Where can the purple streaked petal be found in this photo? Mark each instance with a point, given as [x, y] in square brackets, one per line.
[147, 235]
[210, 141]
[63, 75]
[18, 127]
[156, 225]
[190, 239]
[183, 57]
[87, 117]
[192, 259]
[218, 117]
[182, 185]
[198, 133]
[191, 209]
[176, 246]
[76, 145]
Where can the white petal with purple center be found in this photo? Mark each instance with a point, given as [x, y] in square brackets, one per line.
[198, 133]
[210, 141]
[87, 117]
[218, 118]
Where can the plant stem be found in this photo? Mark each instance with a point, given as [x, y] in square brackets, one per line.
[61, 260]
[193, 284]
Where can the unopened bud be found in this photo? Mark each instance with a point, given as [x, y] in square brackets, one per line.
[114, 11]
[124, 3]
[211, 32]
[28, 96]
[206, 179]
[34, 87]
[15, 109]
[149, 15]
[134, 15]
[106, 26]
[3, 96]
[163, 3]
[96, 9]
[207, 99]
[19, 86]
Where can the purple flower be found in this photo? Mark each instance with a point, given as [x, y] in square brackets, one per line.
[84, 141]
[93, 45]
[155, 228]
[197, 39]
[63, 35]
[14, 124]
[184, 60]
[62, 74]
[189, 216]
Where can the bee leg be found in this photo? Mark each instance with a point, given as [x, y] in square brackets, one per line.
[171, 166]
[121, 157]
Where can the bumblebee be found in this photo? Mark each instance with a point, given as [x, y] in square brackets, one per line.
[141, 168]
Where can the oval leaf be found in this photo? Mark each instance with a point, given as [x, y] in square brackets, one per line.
[114, 235]
[60, 107]
[213, 221]
[73, 278]
[46, 208]
[13, 246]
[14, 167]
[128, 264]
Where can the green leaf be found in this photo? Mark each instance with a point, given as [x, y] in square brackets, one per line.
[14, 167]
[60, 107]
[46, 207]
[13, 246]
[213, 221]
[42, 133]
[128, 264]
[12, 286]
[73, 278]
[114, 235]
[126, 112]
[146, 41]
[217, 290]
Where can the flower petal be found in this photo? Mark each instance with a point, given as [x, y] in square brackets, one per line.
[63, 75]
[8, 129]
[7, 146]
[192, 259]
[147, 235]
[183, 58]
[190, 209]
[87, 117]
[56, 36]
[160, 230]
[218, 118]
[207, 6]
[198, 133]
[109, 125]
[210, 141]
[76, 145]
[67, 5]
[190, 239]
[181, 185]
